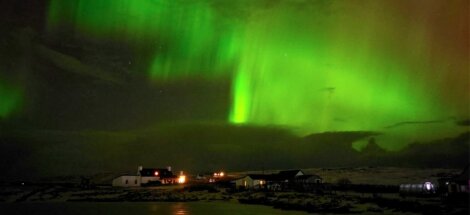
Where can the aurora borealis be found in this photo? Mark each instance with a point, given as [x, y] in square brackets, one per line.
[91, 86]
[11, 98]
[310, 66]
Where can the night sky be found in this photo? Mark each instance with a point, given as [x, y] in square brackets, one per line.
[97, 79]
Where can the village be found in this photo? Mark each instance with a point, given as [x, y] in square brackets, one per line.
[284, 180]
[295, 189]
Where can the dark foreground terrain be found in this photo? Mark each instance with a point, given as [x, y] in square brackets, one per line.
[364, 195]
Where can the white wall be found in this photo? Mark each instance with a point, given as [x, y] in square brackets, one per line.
[248, 182]
[244, 182]
[147, 179]
[127, 181]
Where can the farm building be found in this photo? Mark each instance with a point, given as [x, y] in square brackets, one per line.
[456, 185]
[290, 175]
[426, 188]
[283, 180]
[148, 177]
[157, 175]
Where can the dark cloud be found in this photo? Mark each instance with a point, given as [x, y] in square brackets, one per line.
[405, 123]
[71, 64]
[464, 122]
[196, 147]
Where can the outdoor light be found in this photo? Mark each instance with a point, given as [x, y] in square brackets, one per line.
[156, 173]
[182, 179]
[428, 186]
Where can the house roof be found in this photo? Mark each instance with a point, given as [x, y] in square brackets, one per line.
[162, 172]
[281, 176]
[261, 176]
[289, 173]
[303, 177]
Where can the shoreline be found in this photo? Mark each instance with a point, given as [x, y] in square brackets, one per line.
[339, 202]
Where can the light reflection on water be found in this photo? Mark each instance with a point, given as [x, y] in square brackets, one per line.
[151, 208]
[179, 208]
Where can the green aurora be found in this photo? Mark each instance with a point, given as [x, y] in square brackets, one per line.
[311, 66]
[10, 100]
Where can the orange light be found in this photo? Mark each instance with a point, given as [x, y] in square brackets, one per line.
[156, 173]
[221, 174]
[182, 179]
[215, 174]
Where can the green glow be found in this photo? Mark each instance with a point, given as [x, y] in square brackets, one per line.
[179, 35]
[241, 101]
[10, 98]
[311, 65]
[337, 74]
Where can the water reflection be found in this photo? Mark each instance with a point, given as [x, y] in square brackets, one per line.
[159, 208]
[180, 209]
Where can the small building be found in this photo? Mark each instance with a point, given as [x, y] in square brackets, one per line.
[308, 179]
[426, 188]
[289, 179]
[244, 182]
[157, 175]
[290, 175]
[457, 185]
[252, 181]
[148, 177]
[307, 183]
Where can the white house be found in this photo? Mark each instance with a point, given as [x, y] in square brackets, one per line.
[248, 182]
[251, 181]
[148, 177]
